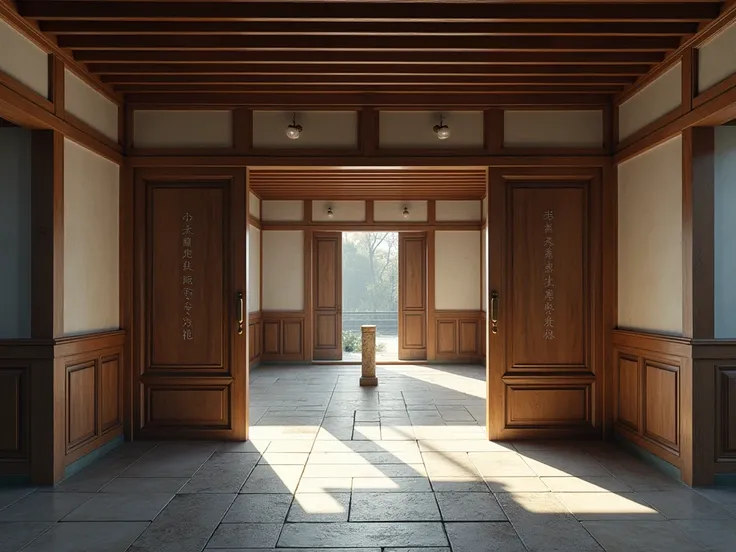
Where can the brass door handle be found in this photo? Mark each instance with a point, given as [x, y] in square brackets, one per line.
[494, 312]
[241, 312]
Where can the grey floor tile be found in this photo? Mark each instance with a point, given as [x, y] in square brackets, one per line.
[95, 476]
[171, 460]
[222, 473]
[259, 508]
[145, 485]
[245, 535]
[88, 537]
[501, 464]
[365, 470]
[469, 507]
[185, 525]
[516, 485]
[284, 458]
[459, 484]
[337, 535]
[428, 549]
[641, 536]
[685, 504]
[394, 507]
[10, 495]
[483, 537]
[725, 496]
[273, 479]
[718, 535]
[327, 484]
[608, 506]
[44, 506]
[121, 507]
[586, 484]
[14, 535]
[311, 507]
[390, 484]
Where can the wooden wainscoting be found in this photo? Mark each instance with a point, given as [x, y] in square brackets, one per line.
[457, 336]
[652, 386]
[284, 336]
[255, 338]
[92, 371]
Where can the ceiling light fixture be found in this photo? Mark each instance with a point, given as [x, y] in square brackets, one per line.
[330, 214]
[405, 212]
[442, 130]
[293, 130]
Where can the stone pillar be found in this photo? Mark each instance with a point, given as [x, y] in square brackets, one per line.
[369, 356]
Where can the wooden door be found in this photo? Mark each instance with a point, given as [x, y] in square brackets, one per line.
[545, 298]
[327, 300]
[192, 317]
[412, 296]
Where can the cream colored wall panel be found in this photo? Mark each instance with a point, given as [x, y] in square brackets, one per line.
[717, 58]
[254, 205]
[484, 269]
[652, 102]
[413, 129]
[321, 129]
[182, 129]
[15, 233]
[283, 270]
[393, 211]
[725, 231]
[254, 269]
[23, 60]
[469, 210]
[556, 129]
[89, 106]
[91, 241]
[282, 210]
[650, 240]
[342, 211]
[457, 273]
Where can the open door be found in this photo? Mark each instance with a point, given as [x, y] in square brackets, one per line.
[190, 304]
[327, 282]
[545, 304]
[412, 296]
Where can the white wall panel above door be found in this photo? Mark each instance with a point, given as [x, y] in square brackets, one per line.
[320, 129]
[413, 129]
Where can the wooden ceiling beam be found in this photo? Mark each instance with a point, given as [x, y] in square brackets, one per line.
[296, 100]
[437, 43]
[270, 57]
[231, 72]
[369, 80]
[328, 89]
[287, 28]
[352, 11]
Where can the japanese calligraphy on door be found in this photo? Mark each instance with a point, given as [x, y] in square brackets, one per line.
[549, 269]
[187, 276]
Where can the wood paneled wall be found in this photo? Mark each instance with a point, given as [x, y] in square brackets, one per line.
[457, 336]
[284, 337]
[255, 338]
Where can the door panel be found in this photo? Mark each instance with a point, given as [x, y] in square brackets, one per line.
[190, 261]
[412, 296]
[544, 353]
[327, 248]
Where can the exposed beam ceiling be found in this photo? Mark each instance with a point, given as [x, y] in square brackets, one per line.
[467, 52]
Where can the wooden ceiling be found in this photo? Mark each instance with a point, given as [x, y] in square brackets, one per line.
[369, 183]
[304, 53]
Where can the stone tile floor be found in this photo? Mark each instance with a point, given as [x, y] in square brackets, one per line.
[399, 468]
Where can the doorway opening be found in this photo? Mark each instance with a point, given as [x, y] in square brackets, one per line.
[370, 292]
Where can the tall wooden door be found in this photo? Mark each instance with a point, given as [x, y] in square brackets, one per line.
[412, 296]
[190, 302]
[545, 303]
[327, 300]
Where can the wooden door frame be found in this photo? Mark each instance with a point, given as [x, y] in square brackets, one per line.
[498, 281]
[137, 275]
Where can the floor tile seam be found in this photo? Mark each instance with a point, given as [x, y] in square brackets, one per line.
[216, 525]
[29, 493]
[25, 546]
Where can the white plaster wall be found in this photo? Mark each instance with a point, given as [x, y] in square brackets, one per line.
[725, 232]
[88, 105]
[342, 211]
[283, 270]
[537, 128]
[254, 205]
[413, 129]
[457, 273]
[652, 102]
[282, 210]
[393, 211]
[321, 129]
[23, 60]
[469, 210]
[15, 233]
[182, 129]
[91, 241]
[254, 269]
[717, 58]
[650, 240]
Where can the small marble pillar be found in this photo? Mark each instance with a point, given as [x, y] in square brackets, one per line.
[369, 356]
